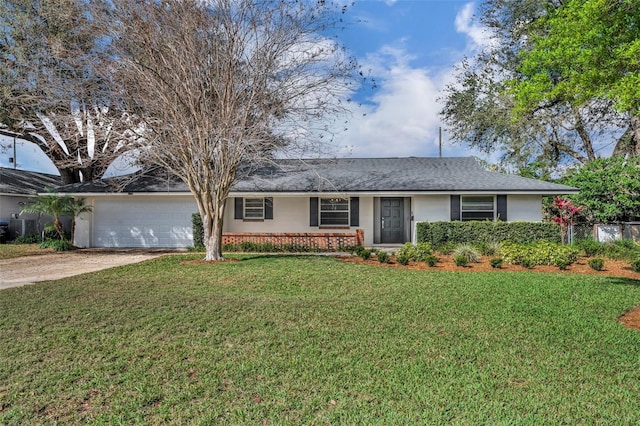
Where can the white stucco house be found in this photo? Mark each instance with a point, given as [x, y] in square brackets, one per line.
[370, 200]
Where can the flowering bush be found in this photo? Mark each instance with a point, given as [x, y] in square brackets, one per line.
[565, 214]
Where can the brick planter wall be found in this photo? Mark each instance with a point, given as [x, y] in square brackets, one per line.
[332, 241]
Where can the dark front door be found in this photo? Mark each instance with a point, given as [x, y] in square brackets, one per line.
[392, 218]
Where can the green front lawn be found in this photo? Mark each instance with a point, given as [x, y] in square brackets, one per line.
[312, 340]
[9, 251]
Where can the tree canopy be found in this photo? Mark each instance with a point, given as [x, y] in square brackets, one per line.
[56, 87]
[585, 52]
[222, 86]
[487, 106]
[609, 189]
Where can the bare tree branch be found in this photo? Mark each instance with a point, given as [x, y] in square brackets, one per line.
[224, 86]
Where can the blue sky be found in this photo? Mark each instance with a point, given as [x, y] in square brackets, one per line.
[411, 47]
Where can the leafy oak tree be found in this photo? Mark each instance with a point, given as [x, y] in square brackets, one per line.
[56, 87]
[586, 51]
[224, 85]
[481, 110]
[609, 189]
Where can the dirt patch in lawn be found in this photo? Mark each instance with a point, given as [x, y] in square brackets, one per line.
[612, 268]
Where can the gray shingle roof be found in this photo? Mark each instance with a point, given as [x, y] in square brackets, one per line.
[21, 182]
[353, 175]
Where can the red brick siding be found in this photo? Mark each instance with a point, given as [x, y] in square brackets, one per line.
[331, 241]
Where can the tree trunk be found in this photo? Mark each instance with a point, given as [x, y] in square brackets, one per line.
[58, 225]
[69, 175]
[212, 214]
[629, 144]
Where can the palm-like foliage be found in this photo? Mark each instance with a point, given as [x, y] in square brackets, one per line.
[56, 206]
[50, 204]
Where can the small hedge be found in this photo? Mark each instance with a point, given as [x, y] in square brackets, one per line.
[415, 253]
[486, 232]
[539, 253]
[597, 263]
[198, 231]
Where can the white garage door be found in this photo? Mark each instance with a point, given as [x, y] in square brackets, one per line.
[143, 223]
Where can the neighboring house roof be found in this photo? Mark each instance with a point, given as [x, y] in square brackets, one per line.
[351, 175]
[22, 182]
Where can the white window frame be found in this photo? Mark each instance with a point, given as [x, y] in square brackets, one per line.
[329, 206]
[478, 210]
[255, 212]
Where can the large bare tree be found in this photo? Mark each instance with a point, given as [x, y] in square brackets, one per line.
[224, 85]
[55, 85]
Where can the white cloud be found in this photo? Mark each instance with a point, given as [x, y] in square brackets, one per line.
[400, 118]
[479, 35]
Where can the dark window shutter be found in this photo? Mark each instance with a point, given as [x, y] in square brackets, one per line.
[455, 207]
[238, 205]
[268, 208]
[313, 211]
[355, 211]
[502, 207]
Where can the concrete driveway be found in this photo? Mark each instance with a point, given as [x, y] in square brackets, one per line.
[52, 266]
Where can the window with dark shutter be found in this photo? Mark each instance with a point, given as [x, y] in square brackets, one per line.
[268, 208]
[238, 206]
[501, 207]
[355, 211]
[455, 207]
[313, 211]
[253, 208]
[477, 207]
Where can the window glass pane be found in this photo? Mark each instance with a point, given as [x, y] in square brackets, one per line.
[477, 203]
[334, 211]
[477, 215]
[254, 208]
[334, 218]
[334, 204]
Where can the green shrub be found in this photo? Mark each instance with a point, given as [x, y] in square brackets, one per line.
[477, 232]
[402, 259]
[562, 264]
[431, 260]
[50, 233]
[383, 257]
[416, 253]
[621, 249]
[357, 250]
[589, 247]
[446, 249]
[528, 263]
[57, 245]
[597, 264]
[468, 251]
[635, 265]
[407, 251]
[422, 251]
[365, 254]
[27, 239]
[198, 231]
[496, 262]
[488, 248]
[540, 253]
[461, 260]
